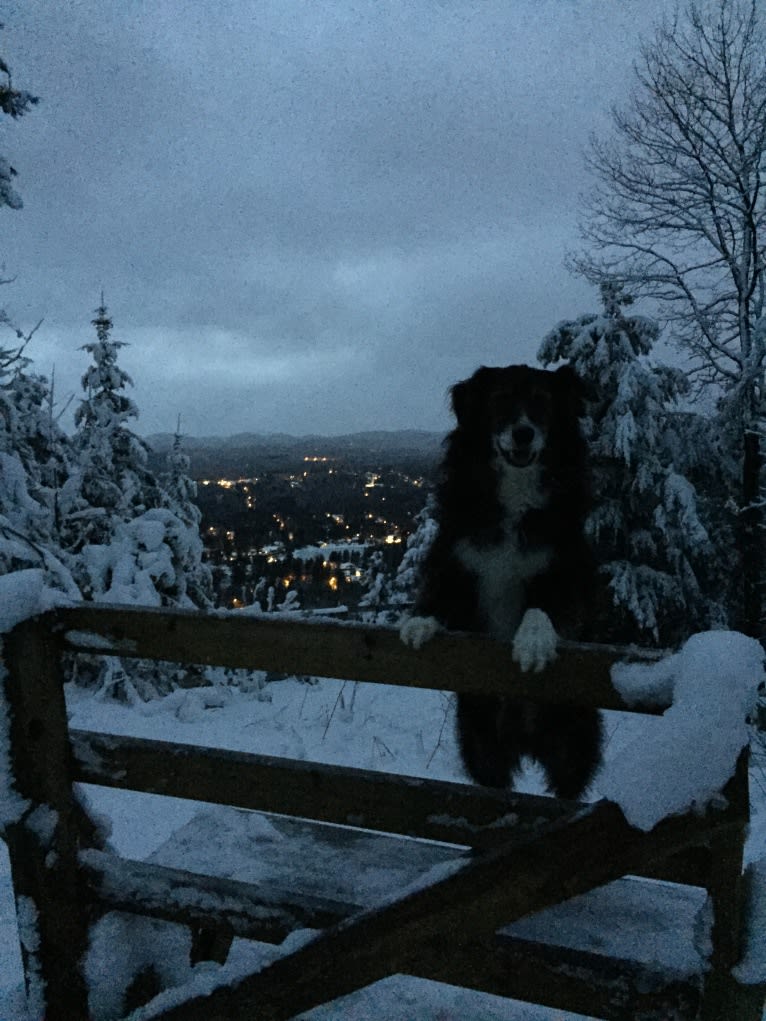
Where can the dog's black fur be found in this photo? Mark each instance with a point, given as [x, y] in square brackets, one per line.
[510, 510]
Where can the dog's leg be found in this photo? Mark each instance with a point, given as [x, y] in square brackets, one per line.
[566, 741]
[535, 641]
[489, 753]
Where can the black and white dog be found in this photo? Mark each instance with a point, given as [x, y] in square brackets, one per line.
[510, 559]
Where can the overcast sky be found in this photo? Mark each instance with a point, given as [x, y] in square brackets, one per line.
[305, 216]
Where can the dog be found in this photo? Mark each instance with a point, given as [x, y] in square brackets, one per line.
[510, 559]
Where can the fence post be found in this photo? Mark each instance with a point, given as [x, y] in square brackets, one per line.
[724, 998]
[43, 845]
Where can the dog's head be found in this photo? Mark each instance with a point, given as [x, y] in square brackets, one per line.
[518, 408]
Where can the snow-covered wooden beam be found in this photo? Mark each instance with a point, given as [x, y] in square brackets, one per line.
[455, 813]
[264, 912]
[289, 644]
[446, 920]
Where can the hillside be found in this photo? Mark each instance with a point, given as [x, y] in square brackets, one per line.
[246, 453]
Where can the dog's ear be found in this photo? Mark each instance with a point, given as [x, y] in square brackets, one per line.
[466, 397]
[573, 389]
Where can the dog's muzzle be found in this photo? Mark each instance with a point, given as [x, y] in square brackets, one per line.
[518, 446]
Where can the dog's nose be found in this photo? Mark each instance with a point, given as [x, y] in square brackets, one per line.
[523, 435]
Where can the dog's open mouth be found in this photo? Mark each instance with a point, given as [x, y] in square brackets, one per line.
[521, 457]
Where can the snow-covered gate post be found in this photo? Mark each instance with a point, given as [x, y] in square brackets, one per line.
[50, 901]
[727, 890]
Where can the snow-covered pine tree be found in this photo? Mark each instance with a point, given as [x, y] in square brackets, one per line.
[32, 460]
[25, 452]
[111, 481]
[126, 537]
[388, 594]
[648, 526]
[179, 492]
[13, 103]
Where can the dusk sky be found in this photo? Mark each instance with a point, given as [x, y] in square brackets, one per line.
[305, 216]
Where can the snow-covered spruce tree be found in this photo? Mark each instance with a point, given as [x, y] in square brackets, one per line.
[13, 103]
[179, 492]
[129, 541]
[389, 593]
[111, 481]
[32, 460]
[28, 449]
[678, 212]
[647, 526]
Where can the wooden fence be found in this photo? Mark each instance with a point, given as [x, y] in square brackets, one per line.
[529, 852]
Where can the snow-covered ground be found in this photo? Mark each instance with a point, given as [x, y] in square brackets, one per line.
[372, 726]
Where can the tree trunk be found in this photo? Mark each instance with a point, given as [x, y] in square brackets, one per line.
[750, 536]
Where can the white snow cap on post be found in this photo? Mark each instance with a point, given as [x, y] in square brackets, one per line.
[685, 757]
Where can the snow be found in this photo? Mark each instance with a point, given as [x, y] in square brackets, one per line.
[671, 913]
[121, 947]
[692, 750]
[24, 594]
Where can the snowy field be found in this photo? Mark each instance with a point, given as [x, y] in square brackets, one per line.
[371, 726]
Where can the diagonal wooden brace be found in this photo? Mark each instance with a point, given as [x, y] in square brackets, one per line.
[570, 856]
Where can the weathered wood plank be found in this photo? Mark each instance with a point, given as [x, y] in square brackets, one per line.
[440, 922]
[43, 845]
[557, 977]
[411, 806]
[263, 912]
[455, 813]
[449, 662]
[569, 980]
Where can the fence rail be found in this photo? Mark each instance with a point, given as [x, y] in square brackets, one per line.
[528, 852]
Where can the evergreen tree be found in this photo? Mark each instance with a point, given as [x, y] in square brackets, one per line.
[678, 212]
[647, 527]
[129, 540]
[111, 482]
[32, 452]
[388, 593]
[179, 492]
[13, 103]
[29, 450]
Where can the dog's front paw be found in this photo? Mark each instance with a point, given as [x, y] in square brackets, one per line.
[416, 631]
[534, 644]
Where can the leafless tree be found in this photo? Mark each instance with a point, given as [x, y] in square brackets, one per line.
[678, 213]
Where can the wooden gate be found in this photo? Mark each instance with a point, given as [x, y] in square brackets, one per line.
[528, 852]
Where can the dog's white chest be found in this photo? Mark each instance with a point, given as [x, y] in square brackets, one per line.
[501, 570]
[519, 490]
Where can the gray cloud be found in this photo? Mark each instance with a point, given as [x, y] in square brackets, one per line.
[320, 213]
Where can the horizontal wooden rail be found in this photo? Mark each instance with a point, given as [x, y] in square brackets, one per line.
[504, 965]
[574, 981]
[437, 810]
[470, 663]
[463, 814]
[256, 911]
[552, 975]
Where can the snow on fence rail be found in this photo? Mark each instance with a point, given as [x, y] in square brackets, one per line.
[530, 852]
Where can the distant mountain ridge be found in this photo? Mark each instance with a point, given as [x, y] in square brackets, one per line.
[414, 440]
[245, 454]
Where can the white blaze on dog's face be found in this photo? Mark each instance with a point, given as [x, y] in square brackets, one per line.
[520, 419]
